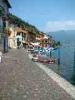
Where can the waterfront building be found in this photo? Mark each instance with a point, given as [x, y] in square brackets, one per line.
[19, 37]
[43, 39]
[4, 12]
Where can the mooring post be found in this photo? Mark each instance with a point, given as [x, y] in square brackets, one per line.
[5, 37]
[74, 59]
[50, 54]
[58, 55]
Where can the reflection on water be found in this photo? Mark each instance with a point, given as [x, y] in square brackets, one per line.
[67, 58]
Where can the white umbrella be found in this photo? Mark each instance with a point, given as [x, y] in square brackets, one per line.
[45, 37]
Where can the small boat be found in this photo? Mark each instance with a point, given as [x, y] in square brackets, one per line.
[43, 59]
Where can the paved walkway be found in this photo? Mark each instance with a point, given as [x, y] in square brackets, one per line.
[22, 79]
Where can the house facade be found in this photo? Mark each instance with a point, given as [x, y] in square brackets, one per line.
[18, 37]
[4, 11]
[43, 39]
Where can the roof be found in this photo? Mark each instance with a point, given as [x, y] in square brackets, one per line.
[7, 3]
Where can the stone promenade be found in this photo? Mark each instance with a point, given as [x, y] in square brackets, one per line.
[22, 79]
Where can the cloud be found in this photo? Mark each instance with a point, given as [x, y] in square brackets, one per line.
[60, 25]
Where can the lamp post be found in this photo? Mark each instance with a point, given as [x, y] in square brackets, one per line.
[1, 26]
[5, 37]
[50, 54]
[74, 62]
[58, 55]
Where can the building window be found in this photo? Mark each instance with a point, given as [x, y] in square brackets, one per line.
[46, 41]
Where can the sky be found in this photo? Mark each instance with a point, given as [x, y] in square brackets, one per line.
[46, 15]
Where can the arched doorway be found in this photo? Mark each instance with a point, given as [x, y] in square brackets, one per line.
[20, 38]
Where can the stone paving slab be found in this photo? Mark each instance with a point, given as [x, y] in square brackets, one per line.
[22, 79]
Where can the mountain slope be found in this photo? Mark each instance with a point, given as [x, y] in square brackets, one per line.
[68, 35]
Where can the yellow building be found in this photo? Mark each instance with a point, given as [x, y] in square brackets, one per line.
[43, 39]
[18, 37]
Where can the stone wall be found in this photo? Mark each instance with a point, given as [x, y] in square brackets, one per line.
[5, 12]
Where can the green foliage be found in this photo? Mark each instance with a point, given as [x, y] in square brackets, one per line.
[24, 25]
[56, 44]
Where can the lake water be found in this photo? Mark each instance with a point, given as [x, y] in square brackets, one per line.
[67, 63]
